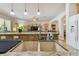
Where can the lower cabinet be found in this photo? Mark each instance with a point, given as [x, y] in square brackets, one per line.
[19, 48]
[29, 38]
[27, 46]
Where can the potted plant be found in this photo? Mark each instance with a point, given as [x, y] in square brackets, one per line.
[20, 29]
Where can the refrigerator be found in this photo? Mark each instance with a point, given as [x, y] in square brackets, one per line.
[73, 31]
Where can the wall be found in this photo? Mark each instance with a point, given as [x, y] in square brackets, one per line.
[7, 22]
[72, 9]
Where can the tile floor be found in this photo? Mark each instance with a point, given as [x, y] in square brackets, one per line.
[60, 49]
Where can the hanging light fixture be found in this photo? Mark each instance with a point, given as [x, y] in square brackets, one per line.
[38, 11]
[12, 11]
[25, 11]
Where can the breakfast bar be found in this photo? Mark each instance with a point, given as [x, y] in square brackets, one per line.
[32, 41]
[26, 36]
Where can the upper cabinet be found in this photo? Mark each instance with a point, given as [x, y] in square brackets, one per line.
[77, 8]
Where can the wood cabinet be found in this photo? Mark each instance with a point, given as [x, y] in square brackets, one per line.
[77, 7]
[53, 27]
[29, 37]
[47, 46]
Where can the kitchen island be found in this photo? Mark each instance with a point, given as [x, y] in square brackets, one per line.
[26, 36]
[31, 41]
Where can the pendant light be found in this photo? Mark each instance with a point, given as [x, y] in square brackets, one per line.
[12, 11]
[25, 11]
[38, 11]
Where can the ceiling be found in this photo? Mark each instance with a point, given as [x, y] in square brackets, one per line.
[48, 10]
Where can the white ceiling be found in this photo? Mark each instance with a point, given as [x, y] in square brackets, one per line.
[48, 11]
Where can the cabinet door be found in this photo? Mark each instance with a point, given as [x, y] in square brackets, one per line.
[77, 32]
[72, 31]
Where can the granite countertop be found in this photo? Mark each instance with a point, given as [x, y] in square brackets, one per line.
[14, 33]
